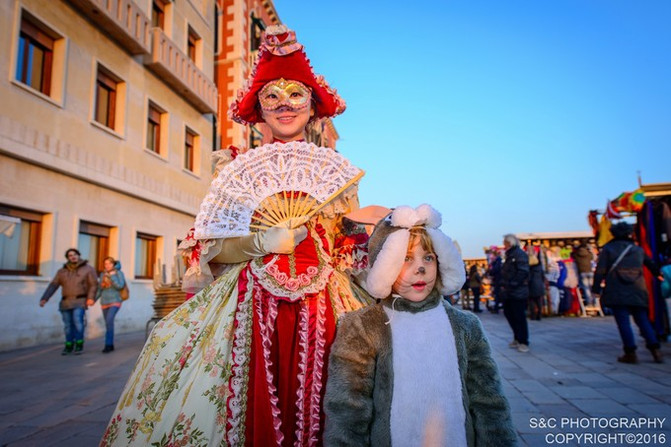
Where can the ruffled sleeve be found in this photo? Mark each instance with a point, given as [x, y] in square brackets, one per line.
[350, 247]
[197, 253]
[350, 239]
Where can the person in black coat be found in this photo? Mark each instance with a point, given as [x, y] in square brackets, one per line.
[494, 274]
[515, 282]
[625, 291]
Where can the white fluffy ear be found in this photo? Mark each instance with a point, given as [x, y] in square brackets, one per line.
[388, 264]
[429, 216]
[452, 273]
[404, 217]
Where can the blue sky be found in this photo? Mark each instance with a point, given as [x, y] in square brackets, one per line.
[506, 116]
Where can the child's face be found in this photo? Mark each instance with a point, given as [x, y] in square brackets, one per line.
[418, 275]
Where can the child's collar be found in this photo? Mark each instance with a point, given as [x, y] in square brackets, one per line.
[397, 302]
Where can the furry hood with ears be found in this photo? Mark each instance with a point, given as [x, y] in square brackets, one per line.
[388, 246]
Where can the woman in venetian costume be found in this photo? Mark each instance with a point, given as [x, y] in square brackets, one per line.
[244, 361]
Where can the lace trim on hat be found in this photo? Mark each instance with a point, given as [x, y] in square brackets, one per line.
[340, 102]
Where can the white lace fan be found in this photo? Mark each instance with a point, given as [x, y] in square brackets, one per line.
[271, 184]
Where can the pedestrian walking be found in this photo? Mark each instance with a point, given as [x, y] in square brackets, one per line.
[536, 286]
[110, 285]
[494, 273]
[515, 279]
[620, 266]
[552, 275]
[475, 284]
[583, 257]
[78, 283]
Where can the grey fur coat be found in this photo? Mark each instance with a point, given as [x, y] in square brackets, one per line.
[358, 396]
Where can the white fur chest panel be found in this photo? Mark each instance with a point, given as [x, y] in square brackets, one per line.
[427, 399]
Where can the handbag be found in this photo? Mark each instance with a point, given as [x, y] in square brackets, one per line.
[124, 293]
[626, 275]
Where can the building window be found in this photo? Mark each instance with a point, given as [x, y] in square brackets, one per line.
[145, 255]
[35, 56]
[189, 150]
[93, 243]
[19, 241]
[255, 137]
[192, 40]
[154, 129]
[106, 98]
[158, 14]
[255, 33]
[156, 139]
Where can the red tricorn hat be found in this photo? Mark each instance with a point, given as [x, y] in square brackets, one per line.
[280, 56]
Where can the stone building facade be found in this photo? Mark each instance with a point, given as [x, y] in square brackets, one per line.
[106, 130]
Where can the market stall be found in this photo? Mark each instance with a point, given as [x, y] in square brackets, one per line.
[555, 252]
[485, 290]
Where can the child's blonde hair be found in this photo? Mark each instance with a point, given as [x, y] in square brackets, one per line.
[420, 233]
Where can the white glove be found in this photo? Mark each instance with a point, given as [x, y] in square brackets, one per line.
[281, 238]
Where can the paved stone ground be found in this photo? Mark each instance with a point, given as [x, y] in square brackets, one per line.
[570, 372]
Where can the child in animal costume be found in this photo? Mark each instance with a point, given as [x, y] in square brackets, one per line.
[243, 362]
[413, 370]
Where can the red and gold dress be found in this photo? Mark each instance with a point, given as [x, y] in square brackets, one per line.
[244, 361]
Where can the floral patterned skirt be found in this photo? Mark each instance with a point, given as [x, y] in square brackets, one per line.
[234, 365]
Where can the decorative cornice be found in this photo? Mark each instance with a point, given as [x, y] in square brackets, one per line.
[33, 146]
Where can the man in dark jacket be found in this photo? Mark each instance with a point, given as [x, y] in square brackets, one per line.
[78, 284]
[494, 274]
[620, 264]
[515, 279]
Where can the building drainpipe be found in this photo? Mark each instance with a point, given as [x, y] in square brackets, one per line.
[214, 132]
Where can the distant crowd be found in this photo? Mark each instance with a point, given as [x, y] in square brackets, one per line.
[571, 279]
[559, 276]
